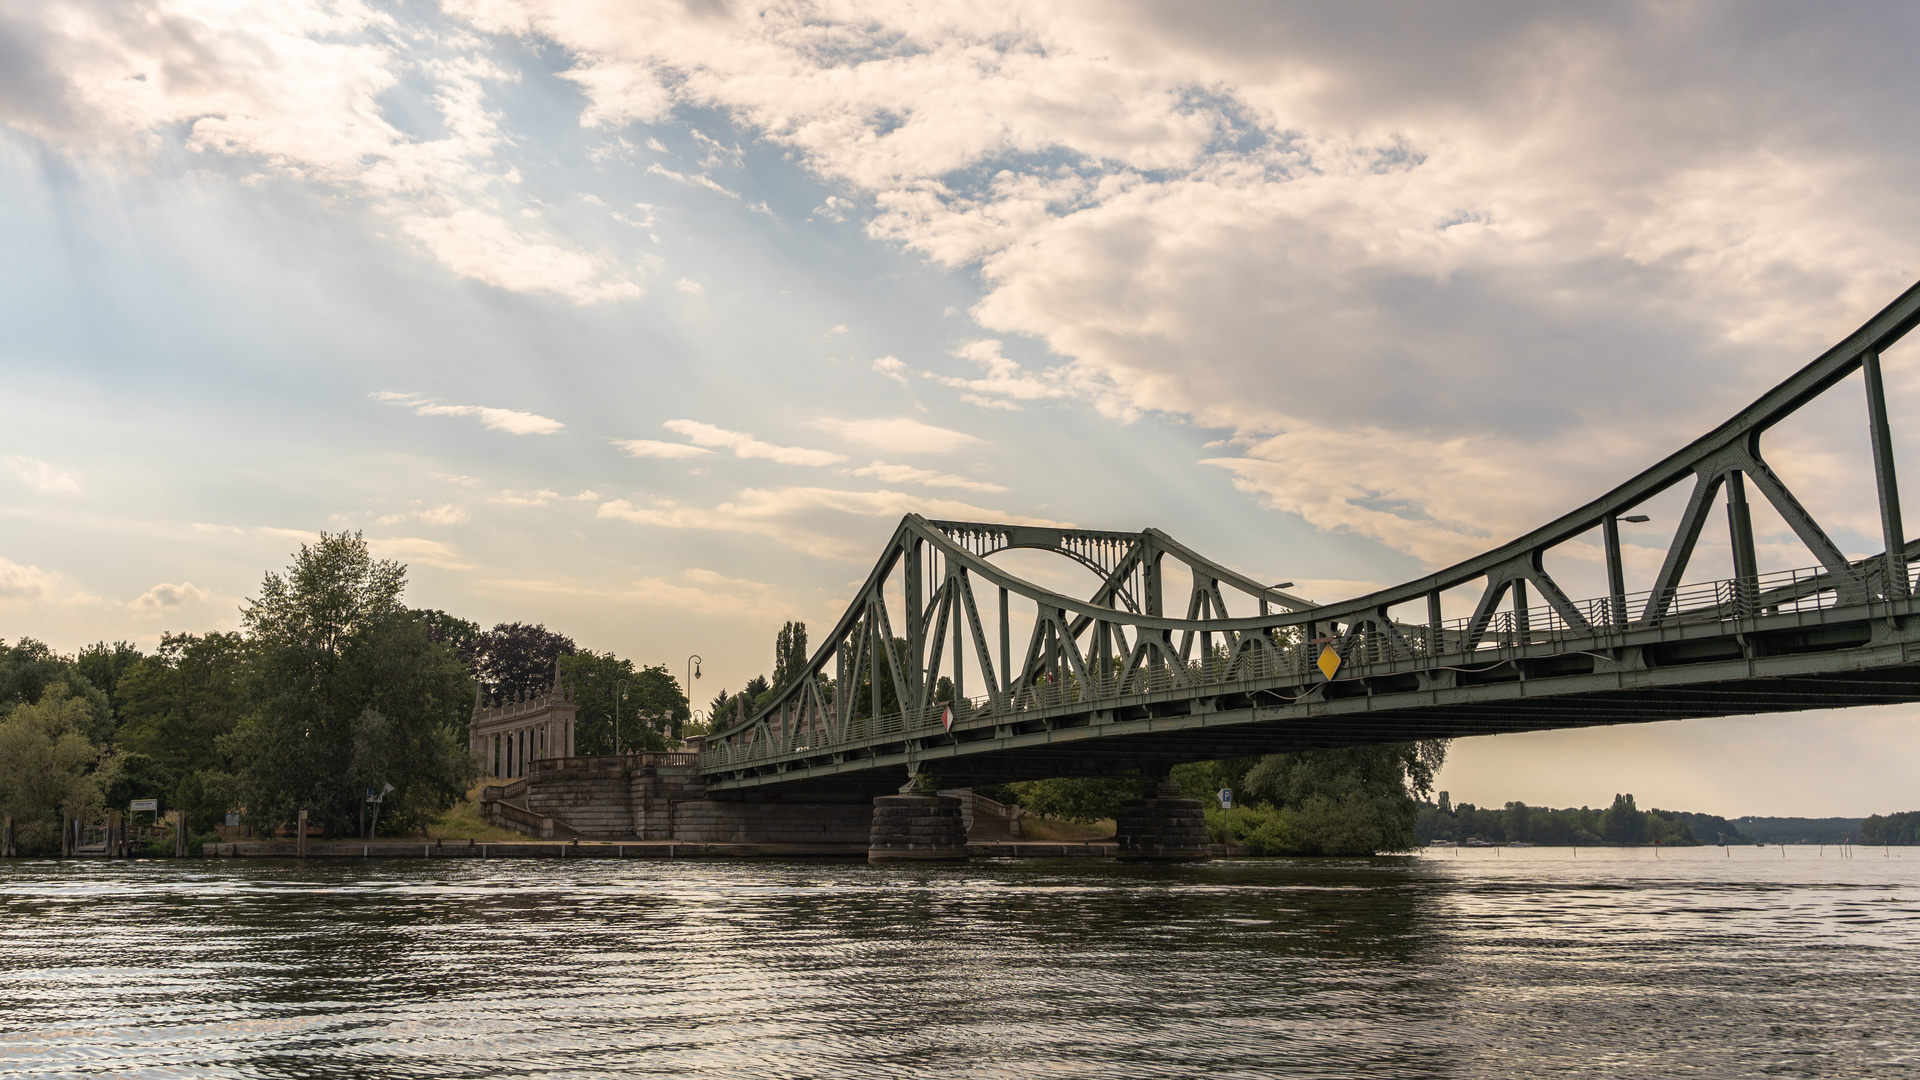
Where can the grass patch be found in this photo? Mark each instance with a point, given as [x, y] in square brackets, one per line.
[1033, 827]
[462, 821]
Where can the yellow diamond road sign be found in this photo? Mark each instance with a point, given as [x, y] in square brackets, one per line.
[1329, 661]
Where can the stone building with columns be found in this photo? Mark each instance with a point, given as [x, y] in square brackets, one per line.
[509, 737]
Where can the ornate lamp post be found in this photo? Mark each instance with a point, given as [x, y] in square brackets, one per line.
[619, 695]
[693, 666]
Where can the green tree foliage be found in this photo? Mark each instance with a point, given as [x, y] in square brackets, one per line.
[1622, 823]
[789, 654]
[460, 635]
[1079, 799]
[138, 776]
[1882, 830]
[1352, 801]
[1575, 826]
[757, 693]
[103, 665]
[48, 766]
[1204, 779]
[512, 660]
[29, 667]
[350, 694]
[177, 704]
[651, 705]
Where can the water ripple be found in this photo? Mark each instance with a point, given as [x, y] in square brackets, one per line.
[1537, 964]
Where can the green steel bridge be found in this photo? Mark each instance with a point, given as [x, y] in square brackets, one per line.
[913, 678]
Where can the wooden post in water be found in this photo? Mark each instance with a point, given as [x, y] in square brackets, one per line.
[300, 845]
[180, 834]
[6, 839]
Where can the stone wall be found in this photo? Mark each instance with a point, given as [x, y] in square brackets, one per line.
[591, 795]
[655, 794]
[987, 821]
[660, 797]
[715, 822]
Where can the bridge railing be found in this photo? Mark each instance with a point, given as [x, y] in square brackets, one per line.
[1264, 657]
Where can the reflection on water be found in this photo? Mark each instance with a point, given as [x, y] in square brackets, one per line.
[1522, 963]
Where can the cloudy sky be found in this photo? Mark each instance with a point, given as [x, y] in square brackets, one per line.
[647, 321]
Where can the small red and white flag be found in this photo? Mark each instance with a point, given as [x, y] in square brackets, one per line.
[946, 717]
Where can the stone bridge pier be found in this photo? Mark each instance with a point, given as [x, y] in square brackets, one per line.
[1164, 827]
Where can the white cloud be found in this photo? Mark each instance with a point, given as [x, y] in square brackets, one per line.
[449, 514]
[417, 550]
[1005, 381]
[808, 519]
[653, 448]
[907, 474]
[1301, 223]
[542, 497]
[893, 368]
[297, 88]
[746, 446]
[165, 596]
[690, 287]
[898, 434]
[23, 582]
[697, 180]
[41, 476]
[512, 421]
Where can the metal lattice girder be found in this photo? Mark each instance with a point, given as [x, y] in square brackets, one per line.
[1099, 664]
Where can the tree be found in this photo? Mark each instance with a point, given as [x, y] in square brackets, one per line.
[758, 692]
[1079, 799]
[177, 704]
[1356, 800]
[350, 694]
[650, 706]
[103, 665]
[460, 635]
[515, 660]
[48, 766]
[1888, 829]
[789, 654]
[137, 776]
[29, 667]
[1622, 822]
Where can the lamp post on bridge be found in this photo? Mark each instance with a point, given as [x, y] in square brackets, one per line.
[693, 667]
[619, 695]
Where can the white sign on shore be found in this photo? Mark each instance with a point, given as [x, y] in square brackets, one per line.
[146, 804]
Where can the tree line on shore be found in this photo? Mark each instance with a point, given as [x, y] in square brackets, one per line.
[332, 689]
[1621, 824]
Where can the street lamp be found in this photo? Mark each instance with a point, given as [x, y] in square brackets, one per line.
[619, 695]
[693, 665]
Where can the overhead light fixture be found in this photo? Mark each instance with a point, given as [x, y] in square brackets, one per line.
[1637, 519]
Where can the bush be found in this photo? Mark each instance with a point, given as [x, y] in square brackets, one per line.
[1083, 801]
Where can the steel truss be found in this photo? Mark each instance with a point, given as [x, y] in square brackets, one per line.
[1114, 683]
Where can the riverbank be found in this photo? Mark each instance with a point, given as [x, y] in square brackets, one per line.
[642, 849]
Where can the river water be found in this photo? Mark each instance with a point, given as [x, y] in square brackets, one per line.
[1482, 963]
